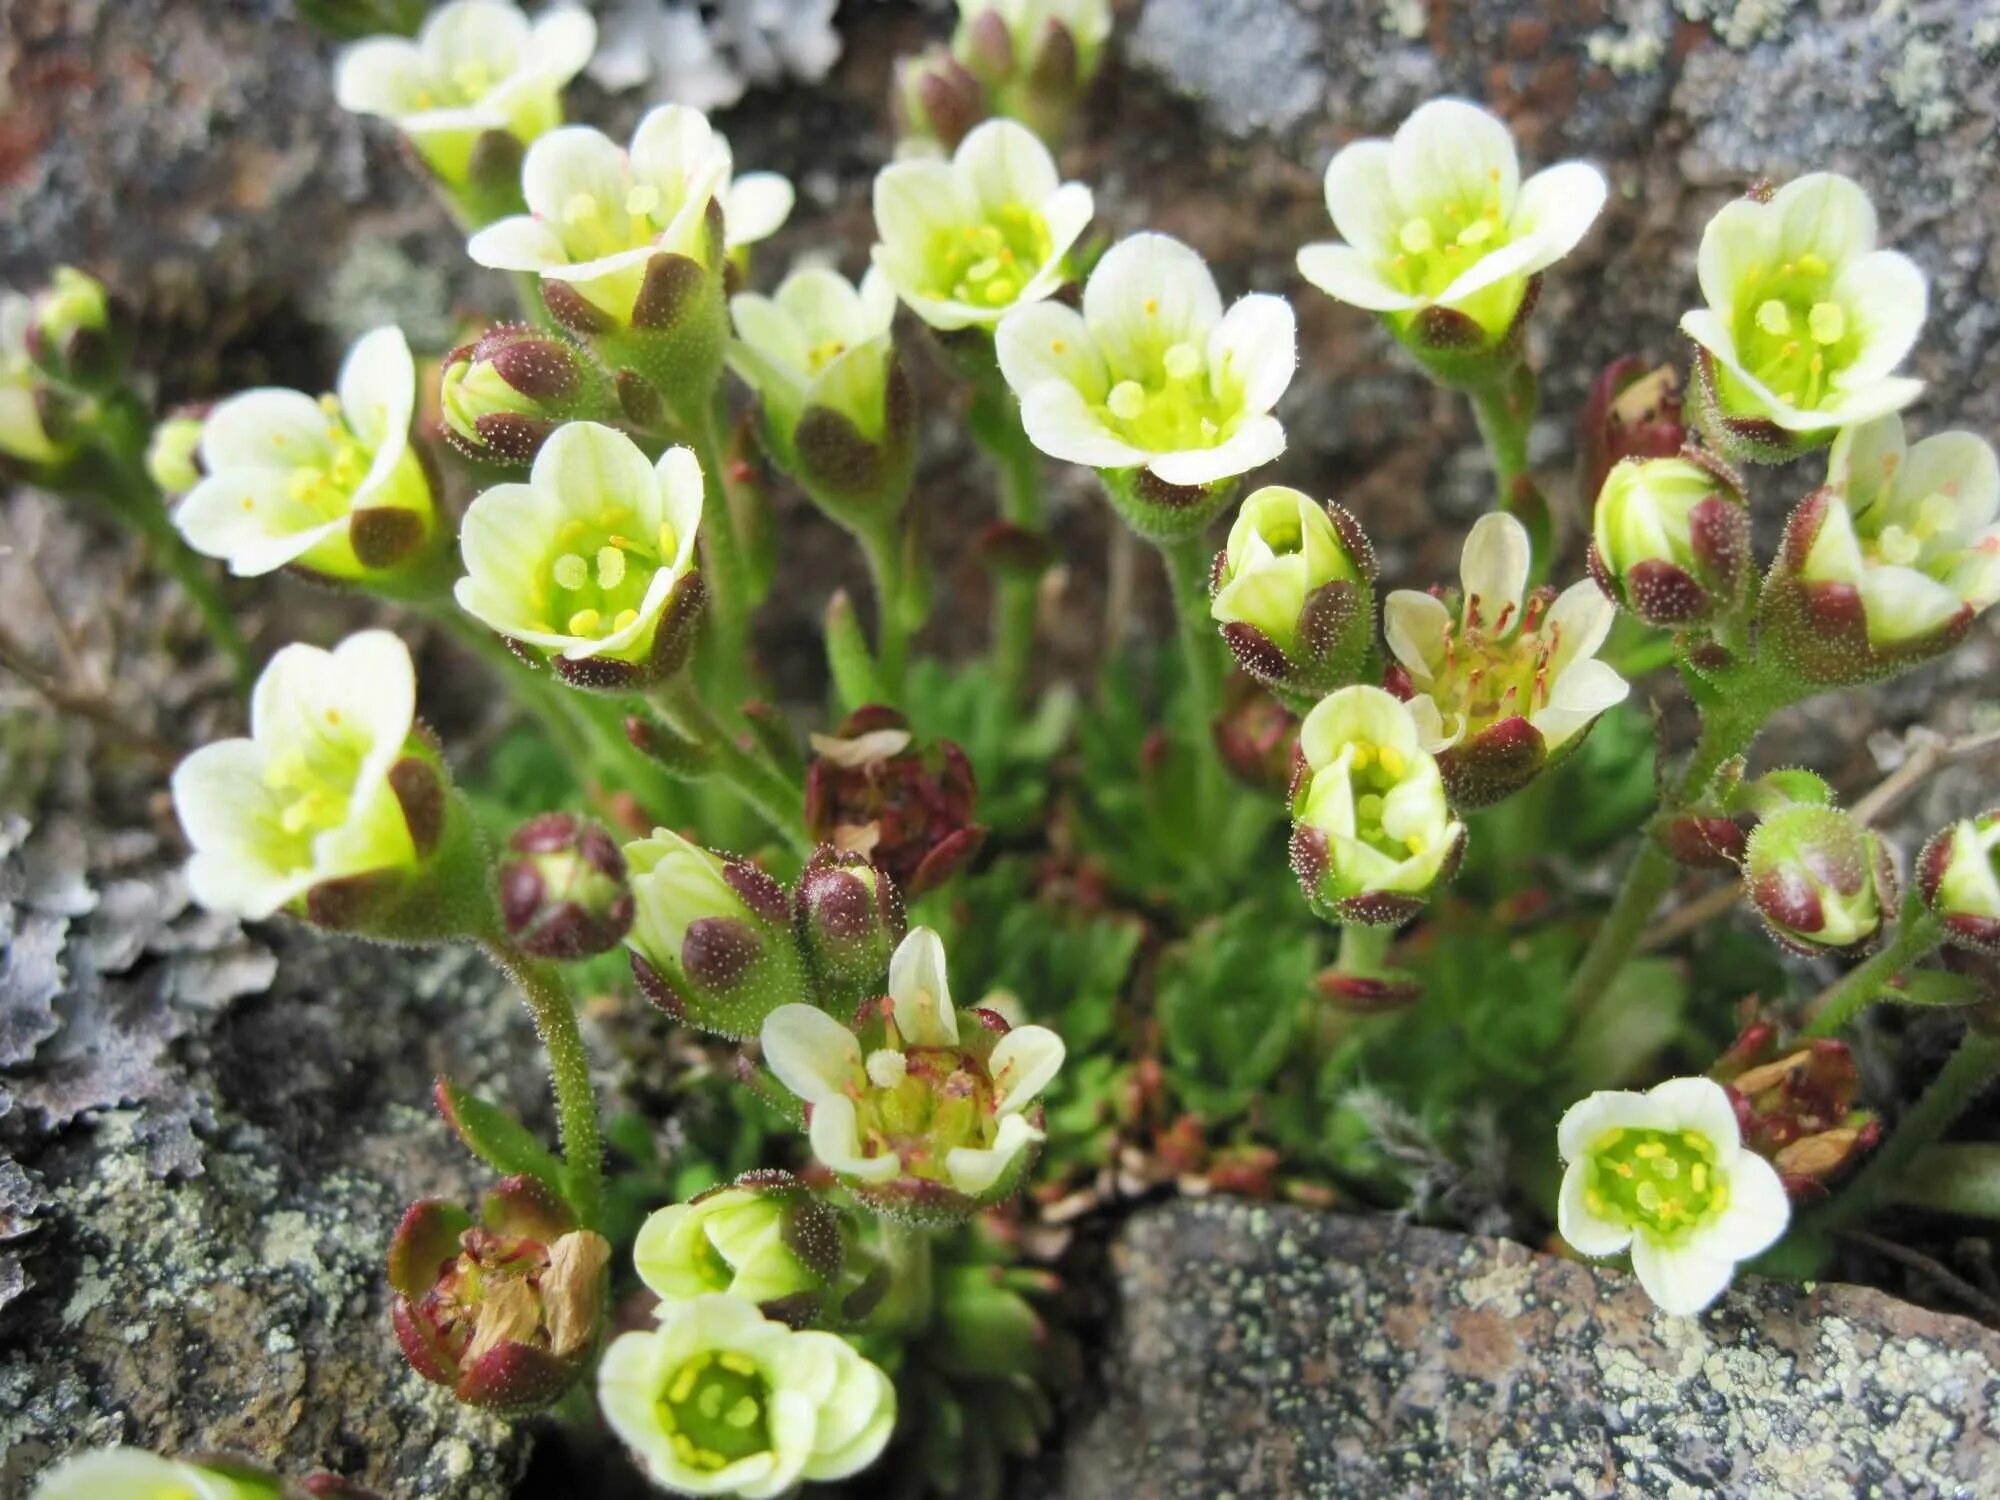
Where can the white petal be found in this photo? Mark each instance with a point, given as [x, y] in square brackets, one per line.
[378, 387]
[1045, 341]
[774, 333]
[855, 1423]
[1022, 1064]
[921, 991]
[1584, 1121]
[570, 162]
[1361, 200]
[1415, 626]
[1586, 1232]
[1824, 214]
[1004, 163]
[1060, 423]
[1433, 733]
[520, 243]
[1516, 259]
[1148, 293]
[1757, 1215]
[1558, 205]
[487, 34]
[1450, 153]
[1351, 276]
[1887, 299]
[1835, 553]
[265, 428]
[373, 682]
[973, 1170]
[1253, 352]
[811, 1054]
[1962, 468]
[915, 201]
[381, 75]
[1066, 213]
[1359, 712]
[1701, 1105]
[563, 40]
[120, 1473]
[592, 467]
[1864, 461]
[878, 302]
[1580, 619]
[1901, 603]
[1737, 246]
[1494, 567]
[1576, 697]
[1863, 404]
[836, 1140]
[682, 494]
[1681, 1280]
[1255, 443]
[755, 207]
[249, 518]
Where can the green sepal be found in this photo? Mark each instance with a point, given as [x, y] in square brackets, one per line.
[493, 1135]
[855, 676]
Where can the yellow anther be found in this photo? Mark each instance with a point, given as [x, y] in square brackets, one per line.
[1695, 1140]
[1774, 318]
[1827, 322]
[580, 209]
[1899, 546]
[1416, 843]
[998, 293]
[571, 571]
[1811, 265]
[1362, 759]
[983, 270]
[1393, 763]
[737, 1364]
[1369, 808]
[585, 622]
[1648, 1196]
[1623, 1168]
[744, 1412]
[610, 567]
[684, 1382]
[1478, 232]
[1058, 346]
[333, 716]
[1668, 1169]
[1650, 1150]
[330, 404]
[1698, 1177]
[623, 618]
[1152, 307]
[1417, 236]
[1183, 362]
[669, 543]
[1127, 400]
[643, 200]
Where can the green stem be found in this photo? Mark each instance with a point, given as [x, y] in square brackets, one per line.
[892, 633]
[542, 985]
[1188, 561]
[1505, 409]
[1965, 1075]
[725, 570]
[1962, 1177]
[996, 423]
[1363, 947]
[772, 795]
[1916, 935]
[909, 1304]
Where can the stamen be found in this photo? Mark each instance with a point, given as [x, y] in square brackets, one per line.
[580, 209]
[1127, 400]
[610, 567]
[1827, 322]
[1417, 236]
[887, 1068]
[571, 571]
[1774, 318]
[1183, 362]
[643, 201]
[585, 622]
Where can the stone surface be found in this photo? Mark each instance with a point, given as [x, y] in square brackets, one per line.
[1274, 1352]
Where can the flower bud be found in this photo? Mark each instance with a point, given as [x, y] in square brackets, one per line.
[1293, 592]
[74, 338]
[563, 892]
[1372, 835]
[1819, 879]
[712, 944]
[1958, 875]
[1670, 539]
[173, 453]
[764, 1238]
[1037, 60]
[508, 390]
[870, 791]
[1632, 412]
[504, 1312]
[1255, 735]
[925, 1112]
[935, 100]
[850, 920]
[1796, 1106]
[1704, 841]
[29, 428]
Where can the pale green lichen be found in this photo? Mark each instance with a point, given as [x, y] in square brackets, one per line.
[1920, 83]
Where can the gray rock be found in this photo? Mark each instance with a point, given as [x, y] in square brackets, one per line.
[1275, 1352]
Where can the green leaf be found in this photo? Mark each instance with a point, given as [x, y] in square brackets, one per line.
[1630, 1025]
[855, 676]
[497, 1138]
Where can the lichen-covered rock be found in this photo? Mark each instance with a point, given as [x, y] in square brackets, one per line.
[1276, 1352]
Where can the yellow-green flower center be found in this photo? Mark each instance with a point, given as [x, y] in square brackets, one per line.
[313, 778]
[1792, 334]
[1494, 669]
[326, 485]
[1662, 1183]
[467, 83]
[922, 1103]
[986, 265]
[716, 1410]
[1909, 534]
[1175, 409]
[592, 227]
[1373, 771]
[1433, 248]
[596, 582]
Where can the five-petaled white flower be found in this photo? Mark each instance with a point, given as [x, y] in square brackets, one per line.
[582, 560]
[598, 214]
[477, 65]
[1508, 677]
[1665, 1175]
[121, 1473]
[717, 1399]
[916, 1100]
[966, 239]
[1153, 373]
[818, 341]
[332, 486]
[1806, 320]
[1439, 217]
[308, 797]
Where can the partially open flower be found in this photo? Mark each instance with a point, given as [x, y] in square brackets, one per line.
[1632, 412]
[713, 942]
[121, 1473]
[1036, 57]
[719, 1400]
[563, 891]
[335, 806]
[173, 453]
[850, 920]
[505, 392]
[1820, 880]
[838, 411]
[1153, 383]
[1442, 236]
[76, 338]
[924, 1111]
[1502, 687]
[964, 240]
[1796, 1107]
[591, 562]
[331, 487]
[872, 790]
[1887, 565]
[477, 66]
[1670, 539]
[1806, 320]
[1664, 1175]
[503, 1311]
[1293, 592]
[764, 1238]
[24, 420]
[1958, 875]
[1372, 834]
[936, 102]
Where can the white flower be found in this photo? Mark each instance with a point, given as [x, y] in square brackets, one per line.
[1806, 320]
[1915, 528]
[964, 240]
[477, 65]
[1502, 658]
[331, 485]
[1665, 1175]
[1439, 217]
[1153, 373]
[719, 1400]
[819, 341]
[923, 1105]
[306, 798]
[597, 214]
[22, 434]
[120, 1473]
[583, 558]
